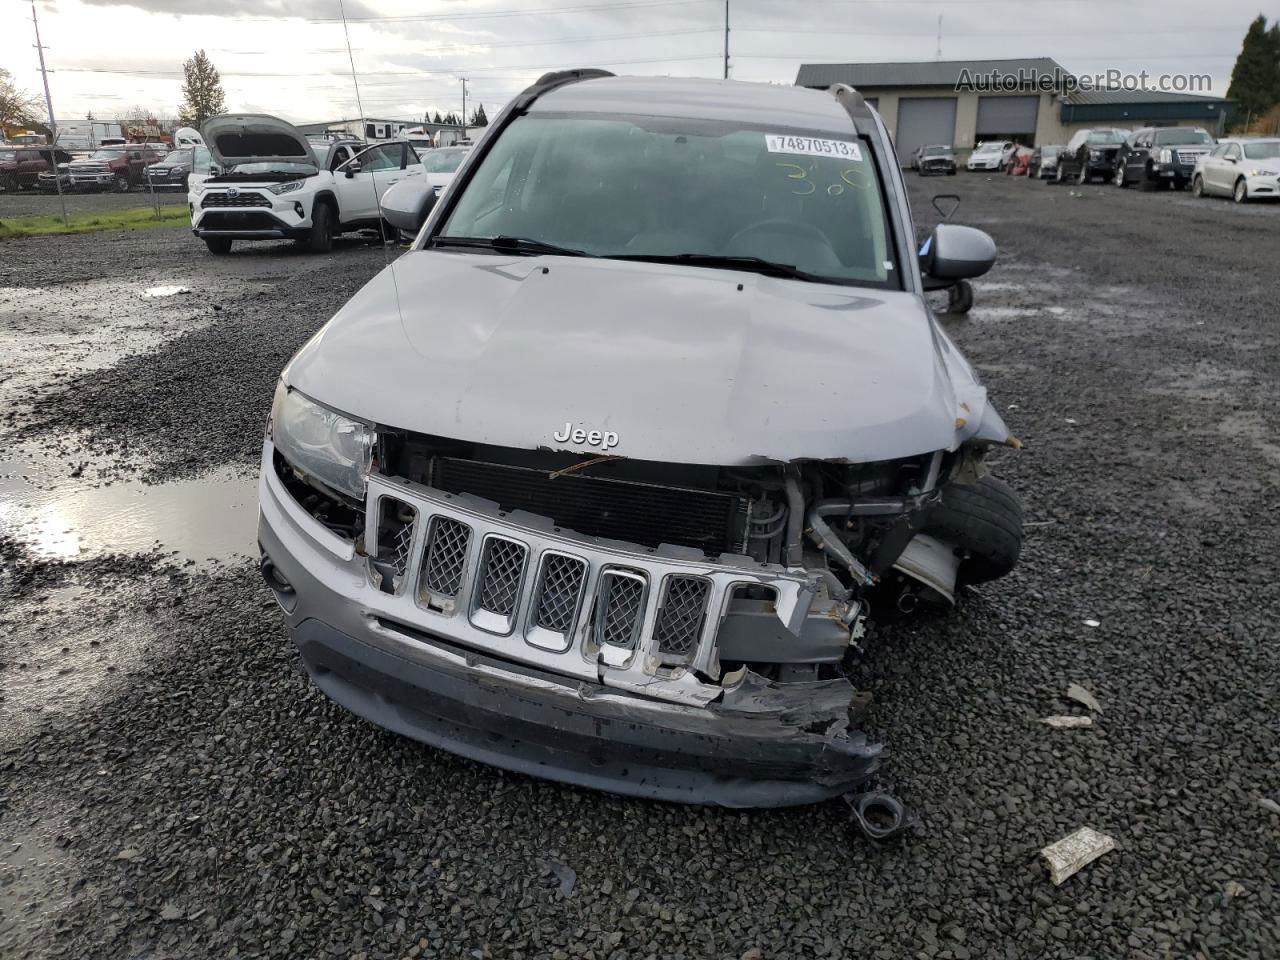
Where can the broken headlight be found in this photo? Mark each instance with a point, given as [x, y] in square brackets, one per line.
[325, 446]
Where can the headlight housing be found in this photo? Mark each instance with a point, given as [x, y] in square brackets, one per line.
[287, 187]
[1095, 154]
[1166, 156]
[1258, 172]
[325, 446]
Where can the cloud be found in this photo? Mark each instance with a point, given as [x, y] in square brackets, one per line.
[239, 8]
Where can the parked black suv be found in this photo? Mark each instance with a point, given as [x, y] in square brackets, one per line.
[937, 159]
[1159, 155]
[1088, 154]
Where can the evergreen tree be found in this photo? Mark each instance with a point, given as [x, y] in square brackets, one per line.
[478, 118]
[1255, 79]
[202, 94]
[437, 119]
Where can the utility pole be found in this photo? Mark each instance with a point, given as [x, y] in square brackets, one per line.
[726, 39]
[53, 127]
[464, 107]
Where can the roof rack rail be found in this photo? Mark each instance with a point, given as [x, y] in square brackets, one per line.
[556, 78]
[851, 99]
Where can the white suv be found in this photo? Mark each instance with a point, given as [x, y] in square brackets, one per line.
[273, 186]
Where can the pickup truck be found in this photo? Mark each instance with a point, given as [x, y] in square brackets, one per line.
[113, 168]
[20, 167]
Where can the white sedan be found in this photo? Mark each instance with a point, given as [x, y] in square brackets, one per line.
[1240, 168]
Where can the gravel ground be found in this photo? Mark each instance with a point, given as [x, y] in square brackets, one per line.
[189, 795]
[32, 203]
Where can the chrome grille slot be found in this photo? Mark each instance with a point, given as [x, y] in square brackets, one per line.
[558, 598]
[680, 617]
[497, 590]
[446, 558]
[620, 608]
[394, 544]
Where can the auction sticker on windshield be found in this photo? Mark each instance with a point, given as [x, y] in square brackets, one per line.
[812, 146]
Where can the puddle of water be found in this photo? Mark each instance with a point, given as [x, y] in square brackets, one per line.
[164, 290]
[207, 517]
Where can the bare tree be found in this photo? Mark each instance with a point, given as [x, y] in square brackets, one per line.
[202, 94]
[18, 108]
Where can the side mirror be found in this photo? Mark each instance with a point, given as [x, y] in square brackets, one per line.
[353, 168]
[1231, 159]
[407, 203]
[957, 253]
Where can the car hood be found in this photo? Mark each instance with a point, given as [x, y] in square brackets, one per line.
[1270, 164]
[255, 138]
[683, 364]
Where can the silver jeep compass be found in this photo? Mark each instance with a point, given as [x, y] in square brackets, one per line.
[598, 480]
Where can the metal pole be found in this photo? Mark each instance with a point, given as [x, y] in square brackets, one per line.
[364, 123]
[726, 39]
[53, 127]
[464, 107]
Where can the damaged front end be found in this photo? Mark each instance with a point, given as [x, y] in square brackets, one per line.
[676, 631]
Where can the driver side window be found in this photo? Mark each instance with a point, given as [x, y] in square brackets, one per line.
[1233, 152]
[383, 157]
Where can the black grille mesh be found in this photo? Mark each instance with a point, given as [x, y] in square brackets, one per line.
[621, 607]
[446, 556]
[679, 623]
[500, 577]
[558, 592]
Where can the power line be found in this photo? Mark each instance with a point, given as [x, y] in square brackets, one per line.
[499, 14]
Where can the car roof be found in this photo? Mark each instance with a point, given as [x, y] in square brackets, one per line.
[700, 99]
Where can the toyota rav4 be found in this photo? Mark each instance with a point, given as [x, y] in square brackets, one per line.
[596, 481]
[273, 184]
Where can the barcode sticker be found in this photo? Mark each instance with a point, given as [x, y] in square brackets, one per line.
[812, 146]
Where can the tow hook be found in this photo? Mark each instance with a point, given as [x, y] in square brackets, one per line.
[880, 816]
[273, 577]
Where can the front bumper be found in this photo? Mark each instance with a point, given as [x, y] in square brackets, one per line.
[618, 726]
[982, 165]
[282, 217]
[1263, 185]
[92, 179]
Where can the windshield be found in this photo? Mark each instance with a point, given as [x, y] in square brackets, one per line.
[106, 155]
[1267, 150]
[1105, 136]
[178, 156]
[989, 148]
[272, 166]
[1165, 138]
[444, 160]
[937, 151]
[624, 186]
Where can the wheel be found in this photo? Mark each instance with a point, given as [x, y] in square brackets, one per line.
[1119, 179]
[9, 183]
[951, 172]
[121, 184]
[1197, 186]
[1240, 193]
[186, 183]
[218, 245]
[1058, 175]
[320, 240]
[1083, 176]
[960, 297]
[984, 521]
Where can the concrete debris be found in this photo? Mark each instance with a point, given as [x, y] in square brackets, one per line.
[1083, 697]
[1067, 723]
[1074, 851]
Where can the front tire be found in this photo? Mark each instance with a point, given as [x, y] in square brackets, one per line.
[1083, 176]
[1058, 175]
[1119, 179]
[1197, 186]
[984, 521]
[1240, 193]
[320, 240]
[960, 297]
[218, 245]
[122, 185]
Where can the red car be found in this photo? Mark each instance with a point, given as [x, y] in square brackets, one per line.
[1019, 162]
[21, 166]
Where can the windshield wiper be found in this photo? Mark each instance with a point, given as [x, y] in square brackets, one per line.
[726, 262]
[505, 244]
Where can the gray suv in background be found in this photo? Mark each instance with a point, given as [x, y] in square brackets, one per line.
[597, 481]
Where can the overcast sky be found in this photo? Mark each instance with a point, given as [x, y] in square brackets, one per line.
[288, 57]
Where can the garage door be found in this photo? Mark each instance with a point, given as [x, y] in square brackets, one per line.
[923, 121]
[1004, 117]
